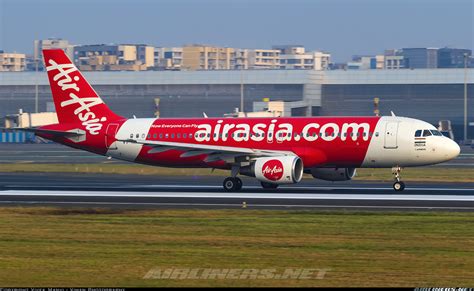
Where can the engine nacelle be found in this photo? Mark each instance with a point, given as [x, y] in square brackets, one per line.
[333, 174]
[276, 170]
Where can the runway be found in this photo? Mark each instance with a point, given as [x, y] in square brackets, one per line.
[129, 191]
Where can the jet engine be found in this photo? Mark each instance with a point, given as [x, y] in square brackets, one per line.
[333, 174]
[275, 170]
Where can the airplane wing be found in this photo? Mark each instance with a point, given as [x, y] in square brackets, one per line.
[214, 152]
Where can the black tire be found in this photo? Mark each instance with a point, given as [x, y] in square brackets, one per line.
[230, 184]
[399, 186]
[266, 185]
[239, 183]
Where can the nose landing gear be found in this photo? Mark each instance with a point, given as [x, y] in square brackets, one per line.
[398, 185]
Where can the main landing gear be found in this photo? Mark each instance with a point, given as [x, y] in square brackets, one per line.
[398, 185]
[232, 184]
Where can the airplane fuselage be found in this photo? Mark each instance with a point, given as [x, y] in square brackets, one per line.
[318, 141]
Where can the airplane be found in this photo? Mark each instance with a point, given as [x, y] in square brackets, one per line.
[275, 151]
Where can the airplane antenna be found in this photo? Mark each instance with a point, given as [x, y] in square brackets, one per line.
[134, 117]
[205, 115]
[393, 114]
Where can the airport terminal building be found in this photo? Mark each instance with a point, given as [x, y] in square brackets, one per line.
[427, 94]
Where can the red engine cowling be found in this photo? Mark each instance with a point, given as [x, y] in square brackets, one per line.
[333, 174]
[277, 170]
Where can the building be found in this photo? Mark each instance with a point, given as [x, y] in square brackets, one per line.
[264, 59]
[168, 58]
[50, 43]
[203, 57]
[12, 62]
[242, 59]
[125, 57]
[145, 55]
[295, 57]
[420, 58]
[367, 62]
[453, 57]
[428, 94]
[394, 62]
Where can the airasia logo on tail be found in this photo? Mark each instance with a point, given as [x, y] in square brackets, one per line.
[273, 170]
[63, 79]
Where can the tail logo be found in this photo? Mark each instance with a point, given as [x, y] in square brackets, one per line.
[90, 121]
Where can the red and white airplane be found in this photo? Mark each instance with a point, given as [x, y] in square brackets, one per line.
[273, 150]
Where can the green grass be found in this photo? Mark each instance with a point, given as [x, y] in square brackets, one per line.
[409, 174]
[87, 247]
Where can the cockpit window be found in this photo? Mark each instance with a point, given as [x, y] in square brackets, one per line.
[435, 132]
[426, 132]
[418, 133]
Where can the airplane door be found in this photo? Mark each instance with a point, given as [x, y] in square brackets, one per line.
[391, 132]
[110, 135]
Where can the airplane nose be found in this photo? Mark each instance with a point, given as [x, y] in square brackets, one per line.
[451, 149]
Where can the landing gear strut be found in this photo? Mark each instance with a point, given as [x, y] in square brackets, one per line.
[398, 185]
[232, 184]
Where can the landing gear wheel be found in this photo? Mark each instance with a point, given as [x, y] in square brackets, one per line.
[266, 185]
[399, 186]
[239, 183]
[232, 184]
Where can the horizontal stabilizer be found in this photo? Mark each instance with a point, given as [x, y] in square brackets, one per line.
[72, 132]
[46, 131]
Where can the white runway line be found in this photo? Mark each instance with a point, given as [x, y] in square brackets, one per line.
[315, 188]
[286, 196]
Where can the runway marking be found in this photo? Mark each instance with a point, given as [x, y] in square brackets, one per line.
[237, 205]
[115, 186]
[286, 196]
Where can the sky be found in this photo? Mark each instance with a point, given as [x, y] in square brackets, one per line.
[340, 27]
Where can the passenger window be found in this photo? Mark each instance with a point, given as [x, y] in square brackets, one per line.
[426, 132]
[137, 135]
[154, 136]
[149, 135]
[418, 133]
[172, 135]
[185, 135]
[131, 135]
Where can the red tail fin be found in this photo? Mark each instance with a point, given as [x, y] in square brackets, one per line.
[74, 98]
